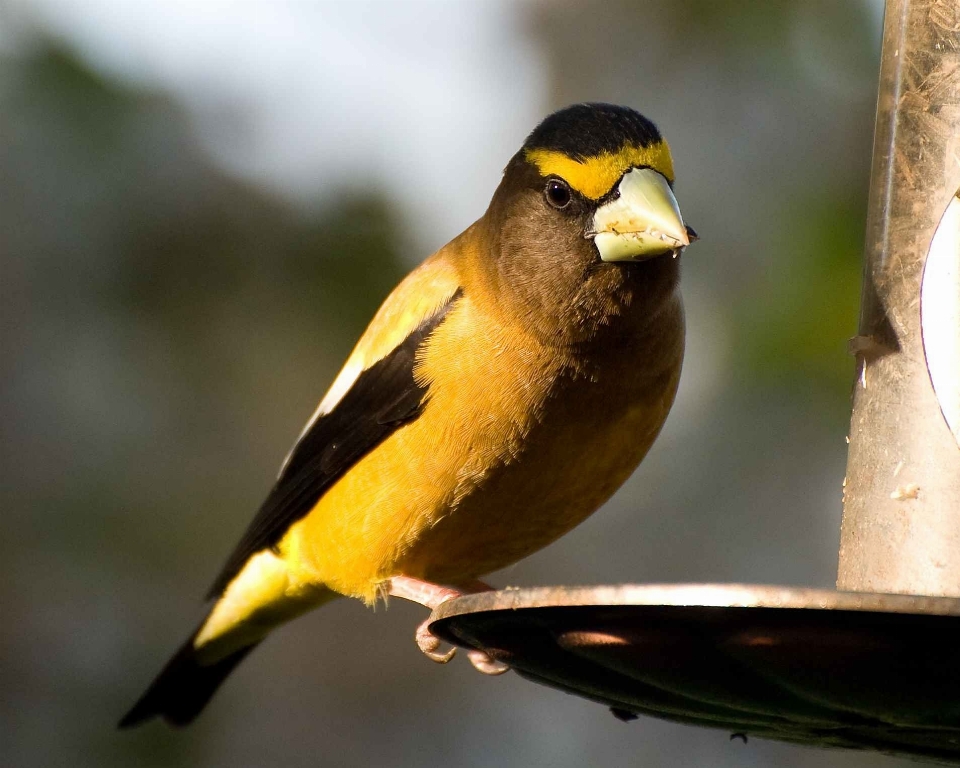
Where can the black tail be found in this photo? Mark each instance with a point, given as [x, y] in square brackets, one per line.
[183, 687]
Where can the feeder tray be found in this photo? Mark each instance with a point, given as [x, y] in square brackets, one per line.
[809, 666]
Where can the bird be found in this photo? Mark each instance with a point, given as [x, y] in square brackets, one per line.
[500, 395]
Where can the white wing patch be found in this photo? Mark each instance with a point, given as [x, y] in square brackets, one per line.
[418, 297]
[341, 385]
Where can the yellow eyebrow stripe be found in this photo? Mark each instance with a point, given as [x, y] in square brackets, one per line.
[595, 176]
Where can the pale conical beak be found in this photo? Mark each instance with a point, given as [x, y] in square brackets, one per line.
[643, 222]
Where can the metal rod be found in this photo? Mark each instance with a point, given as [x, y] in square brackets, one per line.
[901, 517]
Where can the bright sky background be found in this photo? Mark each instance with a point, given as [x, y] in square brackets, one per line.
[309, 96]
[425, 100]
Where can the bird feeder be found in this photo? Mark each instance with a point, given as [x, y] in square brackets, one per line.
[876, 664]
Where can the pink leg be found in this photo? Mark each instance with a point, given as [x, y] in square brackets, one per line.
[430, 596]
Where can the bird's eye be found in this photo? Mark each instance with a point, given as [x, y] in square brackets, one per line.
[557, 194]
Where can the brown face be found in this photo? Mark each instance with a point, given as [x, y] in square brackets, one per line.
[550, 265]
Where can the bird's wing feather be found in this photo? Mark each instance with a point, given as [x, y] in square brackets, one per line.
[418, 297]
[374, 395]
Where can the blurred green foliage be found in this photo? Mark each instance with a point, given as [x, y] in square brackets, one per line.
[792, 325]
[148, 298]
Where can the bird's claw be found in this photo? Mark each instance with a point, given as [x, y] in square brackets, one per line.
[429, 645]
[483, 663]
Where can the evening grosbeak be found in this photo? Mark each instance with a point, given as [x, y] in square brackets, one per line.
[505, 389]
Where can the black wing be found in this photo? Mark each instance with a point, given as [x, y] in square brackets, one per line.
[383, 398]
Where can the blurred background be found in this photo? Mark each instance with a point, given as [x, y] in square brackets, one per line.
[201, 205]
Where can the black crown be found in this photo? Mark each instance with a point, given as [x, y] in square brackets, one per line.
[587, 130]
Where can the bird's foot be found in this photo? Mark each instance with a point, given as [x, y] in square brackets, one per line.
[429, 645]
[430, 596]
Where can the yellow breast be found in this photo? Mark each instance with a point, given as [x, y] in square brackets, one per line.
[512, 450]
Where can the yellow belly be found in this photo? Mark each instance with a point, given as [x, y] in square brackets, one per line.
[513, 449]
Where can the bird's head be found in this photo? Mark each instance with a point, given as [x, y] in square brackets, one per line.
[606, 172]
[589, 191]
